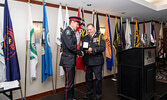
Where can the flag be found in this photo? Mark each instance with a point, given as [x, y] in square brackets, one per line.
[93, 19]
[128, 35]
[2, 63]
[46, 51]
[160, 46]
[9, 48]
[33, 58]
[83, 30]
[152, 35]
[59, 26]
[2, 60]
[79, 62]
[66, 21]
[97, 23]
[122, 36]
[155, 38]
[136, 36]
[108, 42]
[60, 30]
[117, 42]
[144, 36]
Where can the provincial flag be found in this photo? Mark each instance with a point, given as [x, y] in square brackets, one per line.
[66, 21]
[33, 58]
[122, 36]
[136, 36]
[128, 35]
[2, 59]
[60, 30]
[46, 51]
[161, 43]
[9, 48]
[153, 35]
[83, 30]
[117, 42]
[59, 26]
[97, 23]
[94, 19]
[108, 43]
[144, 36]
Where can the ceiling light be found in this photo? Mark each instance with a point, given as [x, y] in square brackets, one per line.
[89, 4]
[155, 2]
[123, 12]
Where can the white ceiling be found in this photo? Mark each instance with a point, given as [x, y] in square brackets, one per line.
[133, 8]
[140, 9]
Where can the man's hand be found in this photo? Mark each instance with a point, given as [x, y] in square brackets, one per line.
[82, 53]
[90, 50]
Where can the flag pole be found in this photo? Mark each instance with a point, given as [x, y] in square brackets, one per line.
[21, 92]
[56, 65]
[25, 71]
[25, 86]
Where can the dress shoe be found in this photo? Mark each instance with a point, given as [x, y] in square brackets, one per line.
[98, 98]
[74, 99]
[87, 96]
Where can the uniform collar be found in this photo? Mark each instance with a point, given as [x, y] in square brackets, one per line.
[71, 28]
[93, 35]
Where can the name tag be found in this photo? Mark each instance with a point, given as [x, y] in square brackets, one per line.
[85, 45]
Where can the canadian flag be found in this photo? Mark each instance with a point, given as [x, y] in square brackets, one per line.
[79, 62]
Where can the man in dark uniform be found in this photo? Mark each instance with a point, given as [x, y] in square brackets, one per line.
[93, 46]
[68, 57]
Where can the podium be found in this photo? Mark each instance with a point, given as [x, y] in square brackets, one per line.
[136, 73]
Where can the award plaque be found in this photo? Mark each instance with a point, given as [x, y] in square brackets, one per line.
[85, 45]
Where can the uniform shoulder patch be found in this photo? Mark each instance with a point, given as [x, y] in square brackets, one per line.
[68, 32]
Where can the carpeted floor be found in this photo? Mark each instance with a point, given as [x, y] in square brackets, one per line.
[109, 89]
[161, 74]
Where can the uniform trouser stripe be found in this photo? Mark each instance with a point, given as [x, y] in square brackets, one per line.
[67, 83]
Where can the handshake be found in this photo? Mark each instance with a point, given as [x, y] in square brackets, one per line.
[87, 51]
[82, 54]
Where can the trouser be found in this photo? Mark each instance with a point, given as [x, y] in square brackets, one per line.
[69, 82]
[89, 79]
